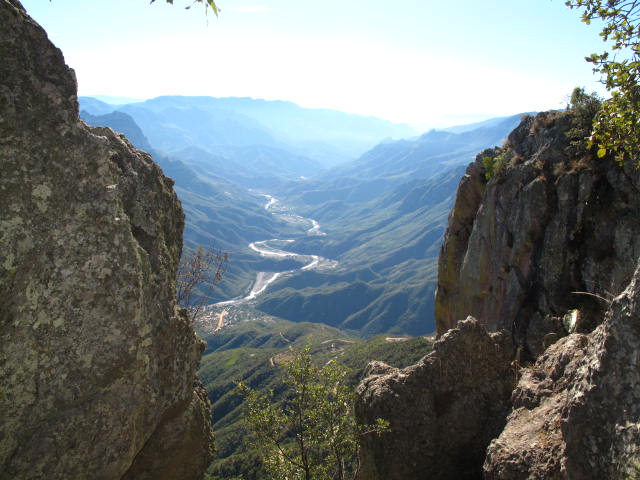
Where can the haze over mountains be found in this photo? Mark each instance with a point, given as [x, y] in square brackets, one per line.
[381, 204]
[105, 377]
[329, 137]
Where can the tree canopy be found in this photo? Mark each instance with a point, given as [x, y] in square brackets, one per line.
[313, 435]
[616, 128]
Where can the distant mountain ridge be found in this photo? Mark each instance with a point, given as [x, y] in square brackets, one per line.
[428, 154]
[326, 136]
[122, 123]
[482, 124]
[393, 163]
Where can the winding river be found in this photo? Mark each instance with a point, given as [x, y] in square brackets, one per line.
[273, 249]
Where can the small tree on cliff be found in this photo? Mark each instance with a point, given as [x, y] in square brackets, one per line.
[585, 107]
[616, 128]
[313, 434]
[198, 272]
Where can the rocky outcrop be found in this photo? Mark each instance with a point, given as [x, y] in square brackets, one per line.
[576, 411]
[541, 239]
[549, 224]
[97, 365]
[444, 411]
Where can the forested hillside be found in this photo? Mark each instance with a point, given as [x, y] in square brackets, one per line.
[382, 215]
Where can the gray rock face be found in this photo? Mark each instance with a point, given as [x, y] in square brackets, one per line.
[551, 222]
[444, 411]
[97, 365]
[547, 225]
[576, 411]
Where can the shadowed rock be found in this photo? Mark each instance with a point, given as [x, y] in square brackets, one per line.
[575, 413]
[549, 224]
[443, 411]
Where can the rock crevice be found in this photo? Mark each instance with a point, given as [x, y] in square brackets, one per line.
[575, 412]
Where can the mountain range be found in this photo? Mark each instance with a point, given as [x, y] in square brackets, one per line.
[383, 212]
[329, 137]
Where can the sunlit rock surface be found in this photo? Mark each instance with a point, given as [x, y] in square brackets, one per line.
[540, 238]
[97, 365]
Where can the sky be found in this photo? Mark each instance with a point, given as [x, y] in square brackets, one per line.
[423, 62]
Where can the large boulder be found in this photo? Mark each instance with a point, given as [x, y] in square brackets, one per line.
[576, 412]
[443, 411]
[97, 365]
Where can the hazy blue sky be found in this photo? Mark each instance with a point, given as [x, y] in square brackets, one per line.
[423, 62]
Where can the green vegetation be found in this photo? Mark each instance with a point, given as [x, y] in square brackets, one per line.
[384, 215]
[231, 223]
[494, 164]
[312, 434]
[387, 249]
[616, 128]
[584, 108]
[255, 353]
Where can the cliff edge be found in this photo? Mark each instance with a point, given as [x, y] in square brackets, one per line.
[542, 245]
[552, 230]
[97, 365]
[444, 411]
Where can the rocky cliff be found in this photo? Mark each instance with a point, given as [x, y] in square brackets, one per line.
[97, 365]
[551, 230]
[576, 412]
[543, 236]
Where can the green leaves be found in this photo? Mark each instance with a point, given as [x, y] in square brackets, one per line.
[494, 164]
[212, 5]
[313, 434]
[616, 128]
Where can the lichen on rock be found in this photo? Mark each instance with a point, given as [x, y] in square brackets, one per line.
[96, 359]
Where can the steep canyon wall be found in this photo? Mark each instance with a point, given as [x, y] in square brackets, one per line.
[546, 231]
[542, 246]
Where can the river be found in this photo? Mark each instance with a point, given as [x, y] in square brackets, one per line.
[272, 248]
